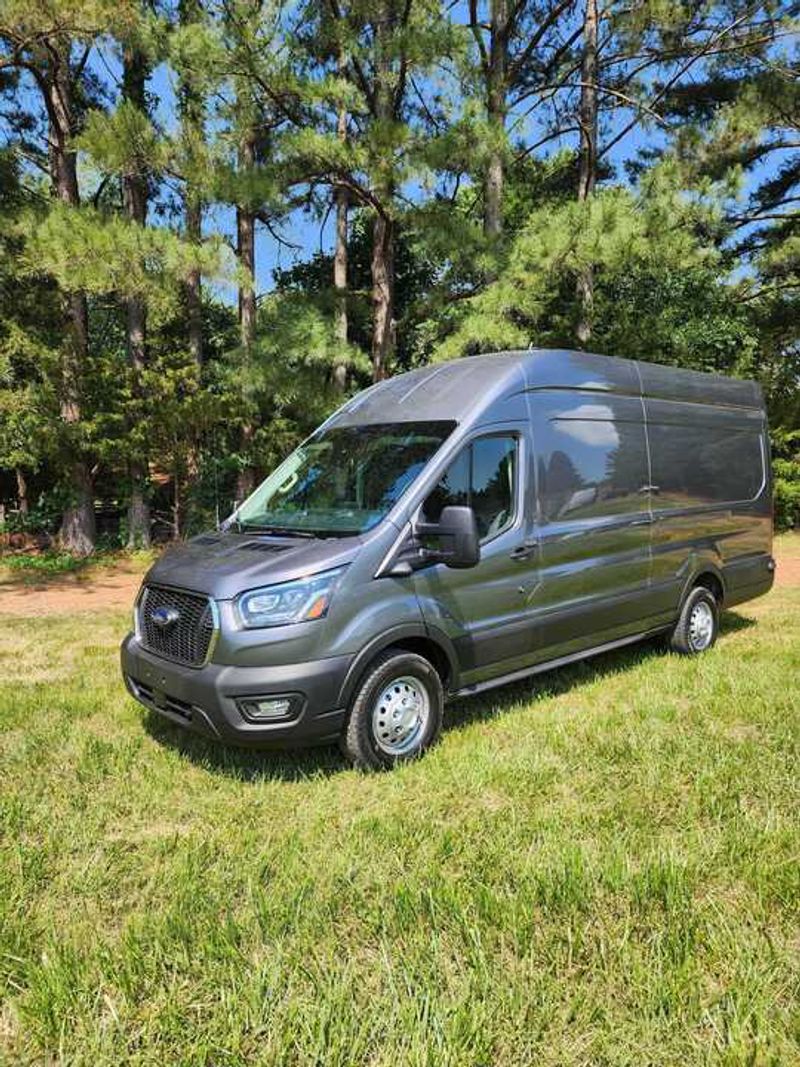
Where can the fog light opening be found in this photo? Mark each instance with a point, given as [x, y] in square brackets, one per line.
[267, 708]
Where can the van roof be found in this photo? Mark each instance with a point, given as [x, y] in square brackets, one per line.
[463, 388]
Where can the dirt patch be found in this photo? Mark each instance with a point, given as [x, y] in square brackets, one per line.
[787, 573]
[71, 593]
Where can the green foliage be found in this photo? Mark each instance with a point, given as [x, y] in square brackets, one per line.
[786, 472]
[43, 516]
[685, 316]
[287, 374]
[29, 335]
[123, 142]
[787, 493]
[614, 233]
[87, 249]
[45, 563]
[694, 261]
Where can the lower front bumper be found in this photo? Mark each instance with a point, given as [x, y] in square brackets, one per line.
[205, 699]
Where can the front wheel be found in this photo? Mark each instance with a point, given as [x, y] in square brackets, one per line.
[698, 625]
[396, 712]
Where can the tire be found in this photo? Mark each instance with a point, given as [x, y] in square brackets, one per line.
[698, 625]
[395, 713]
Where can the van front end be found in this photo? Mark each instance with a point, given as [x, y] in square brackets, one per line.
[281, 705]
[207, 674]
[250, 634]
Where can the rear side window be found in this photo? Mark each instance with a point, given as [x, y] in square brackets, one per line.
[591, 457]
[704, 464]
[484, 477]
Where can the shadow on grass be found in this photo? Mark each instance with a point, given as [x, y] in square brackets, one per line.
[302, 764]
[564, 679]
[245, 764]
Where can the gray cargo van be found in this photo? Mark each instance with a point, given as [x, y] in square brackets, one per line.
[453, 529]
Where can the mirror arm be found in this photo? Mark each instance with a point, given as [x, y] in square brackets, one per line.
[425, 529]
[413, 556]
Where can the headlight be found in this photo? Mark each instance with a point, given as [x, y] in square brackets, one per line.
[299, 601]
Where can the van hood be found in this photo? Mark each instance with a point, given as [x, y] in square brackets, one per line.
[222, 565]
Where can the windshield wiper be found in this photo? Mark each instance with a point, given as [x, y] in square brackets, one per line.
[278, 531]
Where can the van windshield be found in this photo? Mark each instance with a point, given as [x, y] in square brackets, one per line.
[343, 480]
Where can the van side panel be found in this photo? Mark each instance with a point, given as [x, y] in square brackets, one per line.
[561, 369]
[592, 518]
[660, 382]
[710, 493]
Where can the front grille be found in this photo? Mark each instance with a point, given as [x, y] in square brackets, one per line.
[188, 638]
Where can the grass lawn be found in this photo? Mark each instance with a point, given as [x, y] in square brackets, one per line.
[601, 866]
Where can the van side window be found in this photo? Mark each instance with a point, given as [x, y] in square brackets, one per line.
[704, 464]
[483, 476]
[591, 458]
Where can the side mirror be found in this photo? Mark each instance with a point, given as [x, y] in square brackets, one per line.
[457, 532]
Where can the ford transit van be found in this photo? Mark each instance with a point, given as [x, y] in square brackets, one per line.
[453, 529]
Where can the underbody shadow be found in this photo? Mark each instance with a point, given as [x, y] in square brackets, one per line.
[552, 683]
[246, 764]
[303, 764]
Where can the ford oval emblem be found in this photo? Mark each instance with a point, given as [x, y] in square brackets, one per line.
[165, 617]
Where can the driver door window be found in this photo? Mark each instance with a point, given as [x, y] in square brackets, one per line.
[484, 477]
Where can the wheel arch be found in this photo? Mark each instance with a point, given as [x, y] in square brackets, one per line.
[436, 649]
[708, 575]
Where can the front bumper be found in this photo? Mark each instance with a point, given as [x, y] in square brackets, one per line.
[205, 699]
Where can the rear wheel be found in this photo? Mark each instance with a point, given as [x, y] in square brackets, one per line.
[698, 625]
[396, 712]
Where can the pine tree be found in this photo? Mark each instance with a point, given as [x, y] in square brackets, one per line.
[342, 205]
[44, 42]
[30, 328]
[192, 158]
[374, 50]
[258, 97]
[587, 155]
[522, 48]
[135, 69]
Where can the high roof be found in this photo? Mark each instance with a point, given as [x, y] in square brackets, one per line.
[466, 387]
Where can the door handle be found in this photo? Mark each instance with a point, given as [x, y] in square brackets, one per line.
[523, 551]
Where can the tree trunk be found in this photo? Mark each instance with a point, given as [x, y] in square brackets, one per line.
[382, 296]
[496, 107]
[177, 500]
[134, 195]
[587, 159]
[340, 261]
[246, 251]
[22, 492]
[77, 532]
[193, 224]
[382, 266]
[191, 111]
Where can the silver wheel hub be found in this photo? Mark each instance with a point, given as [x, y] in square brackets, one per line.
[701, 626]
[400, 715]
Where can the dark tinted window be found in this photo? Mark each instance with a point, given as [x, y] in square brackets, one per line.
[704, 464]
[483, 476]
[591, 458]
